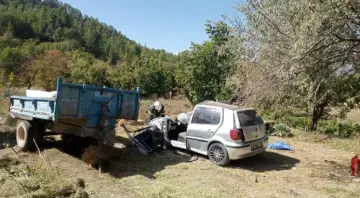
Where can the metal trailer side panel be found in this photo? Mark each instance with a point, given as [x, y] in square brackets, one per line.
[80, 103]
[40, 108]
[75, 101]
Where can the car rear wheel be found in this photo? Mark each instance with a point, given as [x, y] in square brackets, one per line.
[218, 154]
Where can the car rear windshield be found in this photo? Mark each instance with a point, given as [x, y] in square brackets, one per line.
[248, 118]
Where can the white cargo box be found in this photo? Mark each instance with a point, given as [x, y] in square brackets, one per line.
[41, 94]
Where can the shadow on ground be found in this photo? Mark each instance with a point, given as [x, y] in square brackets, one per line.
[134, 163]
[7, 137]
[126, 161]
[268, 161]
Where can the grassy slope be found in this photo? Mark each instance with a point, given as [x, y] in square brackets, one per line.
[319, 167]
[313, 170]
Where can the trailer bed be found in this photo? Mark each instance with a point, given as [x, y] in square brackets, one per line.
[77, 108]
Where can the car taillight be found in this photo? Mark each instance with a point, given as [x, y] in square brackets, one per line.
[236, 134]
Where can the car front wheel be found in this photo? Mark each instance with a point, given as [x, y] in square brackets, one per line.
[218, 154]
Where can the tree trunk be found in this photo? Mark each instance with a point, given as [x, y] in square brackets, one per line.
[314, 121]
[29, 85]
[317, 113]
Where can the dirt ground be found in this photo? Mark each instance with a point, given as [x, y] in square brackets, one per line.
[313, 170]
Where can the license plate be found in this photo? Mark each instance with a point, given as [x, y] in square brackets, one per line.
[256, 145]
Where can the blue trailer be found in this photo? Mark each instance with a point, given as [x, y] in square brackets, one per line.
[81, 110]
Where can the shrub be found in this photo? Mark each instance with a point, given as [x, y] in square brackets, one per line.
[329, 127]
[344, 129]
[297, 122]
[282, 130]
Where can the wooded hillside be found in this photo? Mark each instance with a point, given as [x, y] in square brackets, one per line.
[43, 39]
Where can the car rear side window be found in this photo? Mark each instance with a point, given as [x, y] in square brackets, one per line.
[248, 118]
[205, 115]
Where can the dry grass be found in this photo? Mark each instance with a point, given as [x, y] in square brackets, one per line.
[319, 167]
[111, 153]
[172, 107]
[18, 181]
[346, 144]
[354, 115]
[4, 103]
[313, 170]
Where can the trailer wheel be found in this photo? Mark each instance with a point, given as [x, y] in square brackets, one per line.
[25, 135]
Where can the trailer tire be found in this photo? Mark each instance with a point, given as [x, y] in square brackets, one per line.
[25, 135]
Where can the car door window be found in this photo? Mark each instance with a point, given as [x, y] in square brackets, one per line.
[204, 115]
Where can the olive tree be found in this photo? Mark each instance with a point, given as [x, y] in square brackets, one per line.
[298, 53]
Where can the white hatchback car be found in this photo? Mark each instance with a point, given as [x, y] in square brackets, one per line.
[221, 131]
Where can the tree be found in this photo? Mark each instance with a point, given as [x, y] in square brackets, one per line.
[85, 69]
[154, 78]
[303, 51]
[199, 74]
[10, 59]
[48, 67]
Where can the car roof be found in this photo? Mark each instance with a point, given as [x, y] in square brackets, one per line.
[222, 105]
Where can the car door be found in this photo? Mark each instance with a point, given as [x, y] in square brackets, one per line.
[204, 123]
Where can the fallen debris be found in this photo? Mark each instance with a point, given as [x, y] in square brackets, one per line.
[112, 153]
[193, 158]
[280, 145]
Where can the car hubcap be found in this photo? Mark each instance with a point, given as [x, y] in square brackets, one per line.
[216, 153]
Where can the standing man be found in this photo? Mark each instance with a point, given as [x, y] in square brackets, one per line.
[156, 110]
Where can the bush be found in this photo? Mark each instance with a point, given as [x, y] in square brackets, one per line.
[298, 122]
[282, 130]
[329, 127]
[345, 129]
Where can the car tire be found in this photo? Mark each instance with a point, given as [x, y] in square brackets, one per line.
[218, 154]
[24, 136]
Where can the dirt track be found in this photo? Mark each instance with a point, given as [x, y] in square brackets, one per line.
[313, 170]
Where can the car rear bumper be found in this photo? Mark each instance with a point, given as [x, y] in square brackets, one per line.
[244, 150]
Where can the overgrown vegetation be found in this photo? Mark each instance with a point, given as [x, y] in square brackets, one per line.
[284, 57]
[341, 128]
[298, 54]
[279, 56]
[16, 180]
